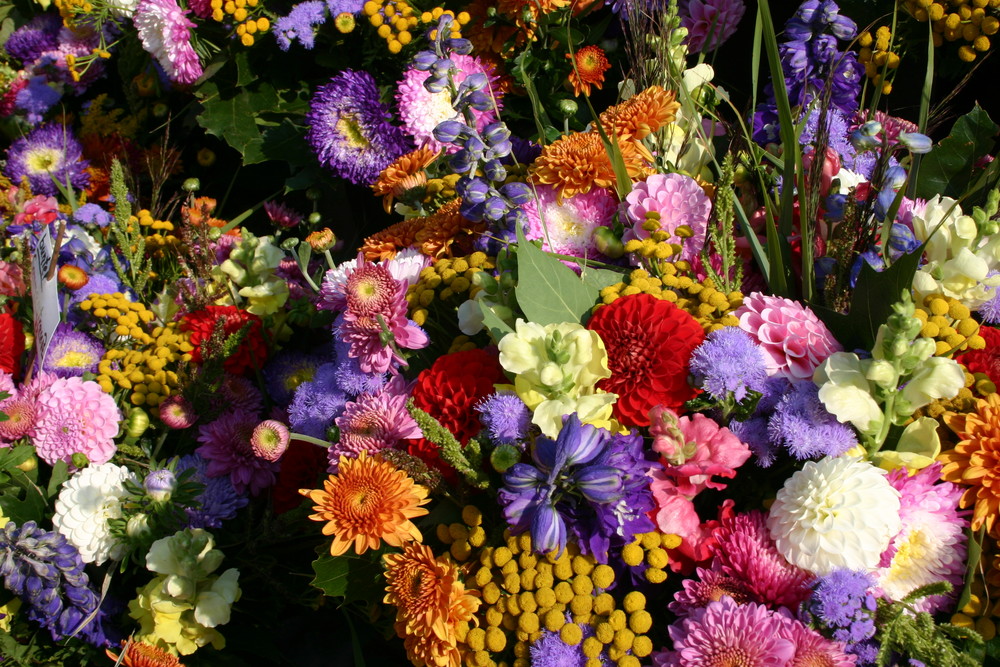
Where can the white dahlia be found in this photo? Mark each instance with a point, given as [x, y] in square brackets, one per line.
[838, 512]
[87, 502]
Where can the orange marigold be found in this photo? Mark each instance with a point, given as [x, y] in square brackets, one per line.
[641, 115]
[589, 69]
[385, 244]
[430, 604]
[975, 460]
[367, 501]
[405, 173]
[138, 654]
[576, 163]
[446, 230]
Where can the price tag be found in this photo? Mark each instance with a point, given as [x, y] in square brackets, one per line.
[44, 295]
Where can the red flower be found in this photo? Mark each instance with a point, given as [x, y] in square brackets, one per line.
[448, 391]
[11, 344]
[649, 344]
[300, 469]
[252, 351]
[987, 360]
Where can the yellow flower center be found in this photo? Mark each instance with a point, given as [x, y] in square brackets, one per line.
[43, 160]
[74, 360]
[350, 129]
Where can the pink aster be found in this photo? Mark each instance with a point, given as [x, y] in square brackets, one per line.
[75, 416]
[794, 340]
[371, 423]
[931, 545]
[226, 445]
[421, 110]
[164, 31]
[568, 228]
[679, 200]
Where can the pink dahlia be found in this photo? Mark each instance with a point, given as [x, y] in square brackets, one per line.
[227, 446]
[568, 228]
[371, 423]
[679, 200]
[164, 31]
[421, 110]
[794, 340]
[710, 22]
[931, 545]
[74, 416]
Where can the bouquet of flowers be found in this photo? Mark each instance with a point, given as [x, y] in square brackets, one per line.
[529, 332]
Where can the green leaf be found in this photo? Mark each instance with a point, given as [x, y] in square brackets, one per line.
[23, 502]
[975, 551]
[331, 575]
[233, 117]
[493, 322]
[548, 291]
[350, 577]
[60, 473]
[948, 170]
[600, 278]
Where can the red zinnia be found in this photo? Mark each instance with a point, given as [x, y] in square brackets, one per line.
[252, 351]
[649, 344]
[447, 391]
[11, 344]
[987, 360]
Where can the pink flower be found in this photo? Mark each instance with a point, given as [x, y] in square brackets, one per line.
[39, 209]
[811, 648]
[11, 280]
[710, 22]
[568, 228]
[675, 514]
[74, 416]
[371, 423]
[794, 340]
[164, 32]
[695, 449]
[679, 200]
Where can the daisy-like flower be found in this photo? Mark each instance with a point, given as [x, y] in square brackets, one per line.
[405, 173]
[590, 64]
[47, 152]
[74, 416]
[86, 502]
[72, 353]
[371, 423]
[349, 128]
[568, 228]
[226, 445]
[975, 461]
[576, 163]
[141, 654]
[384, 245]
[367, 502]
[679, 201]
[164, 31]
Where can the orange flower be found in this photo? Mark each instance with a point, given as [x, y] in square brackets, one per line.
[591, 64]
[430, 603]
[367, 501]
[446, 228]
[578, 162]
[975, 461]
[405, 173]
[384, 245]
[641, 115]
[138, 654]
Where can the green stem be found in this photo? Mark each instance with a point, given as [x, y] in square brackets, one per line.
[308, 438]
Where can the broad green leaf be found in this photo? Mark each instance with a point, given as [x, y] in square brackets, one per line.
[493, 322]
[948, 170]
[349, 577]
[60, 473]
[331, 575]
[600, 278]
[548, 291]
[233, 117]
[23, 500]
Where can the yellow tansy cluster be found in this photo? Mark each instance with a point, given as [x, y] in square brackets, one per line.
[446, 284]
[649, 551]
[982, 612]
[877, 57]
[157, 232]
[246, 14]
[950, 323]
[970, 21]
[103, 119]
[964, 401]
[395, 21]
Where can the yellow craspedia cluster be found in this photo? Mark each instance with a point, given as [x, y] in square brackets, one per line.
[649, 551]
[246, 15]
[462, 343]
[969, 21]
[950, 323]
[69, 10]
[877, 57]
[447, 282]
[157, 232]
[115, 315]
[712, 308]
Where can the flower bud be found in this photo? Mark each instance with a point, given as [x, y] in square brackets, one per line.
[461, 162]
[864, 142]
[568, 107]
[494, 171]
[479, 101]
[270, 440]
[518, 193]
[882, 373]
[191, 185]
[449, 131]
[504, 457]
[473, 190]
[915, 142]
[138, 527]
[476, 81]
[494, 208]
[460, 46]
[160, 485]
[424, 60]
[608, 243]
[79, 460]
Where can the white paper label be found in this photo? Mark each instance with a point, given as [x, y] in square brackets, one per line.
[44, 296]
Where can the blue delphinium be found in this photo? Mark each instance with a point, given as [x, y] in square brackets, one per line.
[842, 607]
[505, 416]
[729, 362]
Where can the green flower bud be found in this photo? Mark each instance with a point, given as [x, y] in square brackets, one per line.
[608, 243]
[568, 107]
[80, 460]
[136, 424]
[191, 185]
[503, 457]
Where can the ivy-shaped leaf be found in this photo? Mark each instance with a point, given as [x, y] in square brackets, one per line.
[349, 577]
[949, 168]
[548, 291]
[331, 575]
[493, 323]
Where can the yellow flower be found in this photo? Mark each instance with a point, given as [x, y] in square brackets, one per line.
[7, 612]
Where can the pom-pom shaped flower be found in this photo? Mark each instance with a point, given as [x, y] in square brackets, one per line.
[835, 513]
[568, 228]
[710, 22]
[678, 200]
[87, 502]
[649, 343]
[794, 340]
[270, 440]
[729, 362]
[251, 353]
[575, 163]
[367, 502]
[164, 31]
[46, 153]
[74, 416]
[975, 461]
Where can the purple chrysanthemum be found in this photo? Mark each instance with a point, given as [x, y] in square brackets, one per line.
[314, 409]
[286, 371]
[299, 24]
[505, 416]
[709, 22]
[811, 648]
[48, 152]
[801, 424]
[164, 31]
[568, 227]
[226, 445]
[72, 353]
[238, 393]
[729, 362]
[39, 35]
[218, 501]
[349, 128]
[372, 423]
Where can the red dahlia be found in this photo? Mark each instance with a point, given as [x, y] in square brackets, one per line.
[252, 351]
[649, 343]
[11, 344]
[987, 360]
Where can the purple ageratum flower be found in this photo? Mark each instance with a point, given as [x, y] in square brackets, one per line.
[94, 215]
[72, 353]
[842, 607]
[314, 408]
[729, 362]
[286, 371]
[801, 424]
[46, 153]
[990, 310]
[226, 445]
[31, 40]
[505, 416]
[338, 7]
[709, 22]
[551, 651]
[218, 502]
[299, 24]
[46, 573]
[349, 128]
[36, 99]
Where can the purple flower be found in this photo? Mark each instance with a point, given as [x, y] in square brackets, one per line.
[299, 24]
[36, 98]
[729, 362]
[93, 214]
[218, 501]
[286, 371]
[39, 35]
[842, 607]
[227, 448]
[349, 128]
[72, 353]
[709, 22]
[338, 7]
[505, 416]
[802, 425]
[48, 152]
[551, 651]
[349, 377]
[314, 408]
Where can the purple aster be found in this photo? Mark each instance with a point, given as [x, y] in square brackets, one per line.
[72, 353]
[239, 393]
[372, 423]
[218, 501]
[226, 446]
[36, 99]
[802, 425]
[505, 416]
[299, 24]
[285, 371]
[50, 151]
[93, 214]
[729, 362]
[314, 409]
[39, 35]
[349, 128]
[551, 651]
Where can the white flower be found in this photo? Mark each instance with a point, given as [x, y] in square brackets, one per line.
[212, 606]
[87, 501]
[937, 377]
[838, 512]
[846, 393]
[470, 316]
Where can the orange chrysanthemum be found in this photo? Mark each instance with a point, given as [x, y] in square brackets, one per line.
[405, 173]
[576, 163]
[641, 115]
[446, 231]
[489, 36]
[430, 603]
[975, 460]
[591, 64]
[367, 501]
[138, 654]
[385, 244]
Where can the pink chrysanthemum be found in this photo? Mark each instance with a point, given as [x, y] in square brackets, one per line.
[811, 648]
[371, 423]
[931, 545]
[7, 385]
[75, 416]
[164, 31]
[270, 440]
[794, 340]
[710, 22]
[421, 110]
[20, 411]
[227, 448]
[679, 200]
[708, 586]
[568, 228]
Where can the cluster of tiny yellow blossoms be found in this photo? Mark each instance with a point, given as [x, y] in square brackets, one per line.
[156, 240]
[971, 21]
[950, 323]
[877, 57]
[396, 20]
[448, 283]
[982, 612]
[649, 552]
[438, 191]
[462, 343]
[103, 119]
[246, 14]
